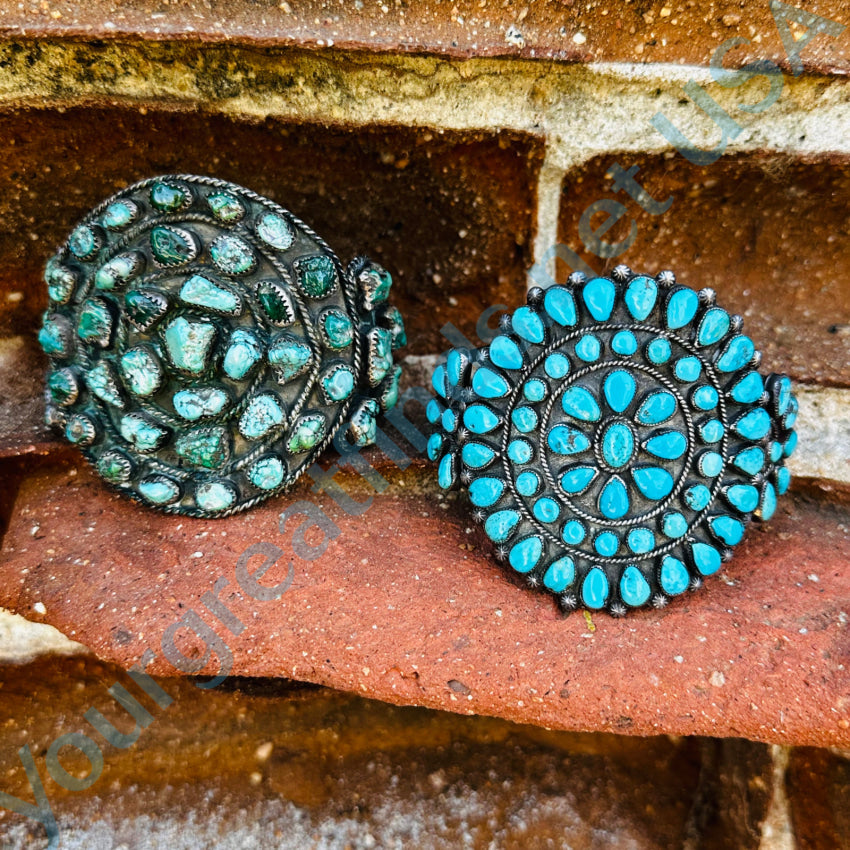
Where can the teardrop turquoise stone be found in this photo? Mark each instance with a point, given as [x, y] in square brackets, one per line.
[262, 415]
[657, 408]
[505, 353]
[737, 354]
[728, 529]
[560, 305]
[499, 525]
[640, 297]
[674, 576]
[580, 404]
[578, 478]
[749, 389]
[488, 384]
[619, 390]
[565, 440]
[754, 425]
[560, 575]
[527, 324]
[750, 460]
[480, 419]
[681, 308]
[713, 327]
[668, 445]
[598, 295]
[445, 472]
[594, 589]
[477, 455]
[525, 554]
[484, 492]
[634, 588]
[171, 246]
[697, 497]
[768, 502]
[706, 558]
[744, 497]
[653, 481]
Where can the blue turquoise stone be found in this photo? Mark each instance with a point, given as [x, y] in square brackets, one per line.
[580, 404]
[599, 294]
[710, 464]
[172, 246]
[561, 306]
[83, 242]
[618, 444]
[705, 398]
[215, 496]
[338, 329]
[101, 381]
[448, 420]
[535, 389]
[505, 353]
[141, 371]
[434, 446]
[674, 576]
[477, 455]
[744, 497]
[527, 483]
[728, 529]
[654, 482]
[688, 369]
[614, 499]
[159, 490]
[578, 478]
[524, 555]
[226, 207]
[712, 431]
[783, 480]
[783, 399]
[484, 492]
[546, 509]
[641, 541]
[116, 271]
[737, 354]
[564, 440]
[454, 365]
[681, 308]
[519, 451]
[556, 365]
[754, 425]
[439, 379]
[480, 419]
[775, 451]
[199, 291]
[206, 447]
[606, 544]
[95, 323]
[697, 497]
[528, 325]
[189, 343]
[560, 574]
[624, 343]
[500, 525]
[767, 508]
[308, 432]
[713, 327]
[338, 384]
[524, 419]
[656, 408]
[446, 472]
[573, 532]
[267, 473]
[588, 348]
[619, 389]
[119, 214]
[640, 297]
[668, 445]
[275, 231]
[790, 445]
[433, 411]
[142, 433]
[749, 389]
[706, 558]
[791, 416]
[232, 255]
[594, 589]
[243, 353]
[658, 351]
[634, 588]
[53, 337]
[263, 414]
[750, 460]
[673, 524]
[290, 356]
[168, 198]
[488, 384]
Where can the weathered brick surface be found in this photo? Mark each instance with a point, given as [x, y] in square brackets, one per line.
[819, 794]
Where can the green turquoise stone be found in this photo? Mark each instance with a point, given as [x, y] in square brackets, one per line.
[141, 371]
[159, 490]
[62, 386]
[119, 214]
[102, 382]
[262, 415]
[363, 427]
[232, 255]
[308, 432]
[289, 356]
[53, 336]
[389, 398]
[317, 276]
[117, 271]
[376, 282]
[200, 402]
[189, 344]
[339, 332]
[274, 230]
[394, 318]
[80, 430]
[338, 384]
[115, 466]
[83, 242]
[145, 307]
[225, 207]
[201, 292]
[142, 433]
[95, 324]
[215, 496]
[380, 355]
[276, 302]
[267, 473]
[172, 246]
[60, 281]
[168, 198]
[208, 448]
[243, 353]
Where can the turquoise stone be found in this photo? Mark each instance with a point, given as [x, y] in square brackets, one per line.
[53, 336]
[199, 291]
[556, 365]
[783, 398]
[267, 473]
[117, 271]
[119, 214]
[200, 402]
[488, 384]
[599, 294]
[728, 529]
[208, 448]
[439, 379]
[500, 525]
[95, 323]
[484, 492]
[159, 490]
[710, 464]
[115, 466]
[712, 431]
[783, 480]
[749, 389]
[681, 308]
[446, 473]
[573, 532]
[142, 433]
[317, 276]
[634, 588]
[641, 541]
[614, 499]
[697, 497]
[339, 332]
[565, 440]
[449, 420]
[580, 404]
[737, 354]
[606, 544]
[101, 380]
[505, 353]
[480, 419]
[640, 297]
[276, 302]
[524, 419]
[546, 509]
[560, 305]
[524, 555]
[63, 387]
[594, 589]
[619, 390]
[624, 343]
[243, 353]
[535, 389]
[189, 344]
[654, 482]
[754, 425]
[169, 198]
[658, 351]
[83, 242]
[172, 246]
[668, 445]
[80, 430]
[376, 284]
[768, 503]
[775, 451]
[433, 411]
[145, 307]
[706, 558]
[434, 446]
[750, 460]
[560, 575]
[578, 479]
[215, 496]
[454, 367]
[527, 483]
[528, 325]
[60, 280]
[289, 356]
[713, 327]
[618, 444]
[390, 391]
[744, 497]
[338, 384]
[790, 445]
[380, 354]
[477, 455]
[263, 414]
[141, 371]
[588, 348]
[674, 576]
[688, 369]
[275, 231]
[232, 255]
[673, 524]
[705, 398]
[656, 408]
[308, 432]
[226, 207]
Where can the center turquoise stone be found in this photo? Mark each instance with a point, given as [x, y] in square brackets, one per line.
[618, 444]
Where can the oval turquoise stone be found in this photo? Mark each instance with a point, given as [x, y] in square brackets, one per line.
[580, 404]
[480, 419]
[618, 444]
[578, 478]
[634, 588]
[338, 329]
[697, 497]
[737, 354]
[159, 490]
[674, 576]
[524, 419]
[712, 431]
[484, 492]
[754, 425]
[232, 255]
[744, 497]
[688, 368]
[433, 411]
[658, 351]
[710, 464]
[668, 445]
[267, 473]
[339, 383]
[290, 357]
[445, 472]
[640, 297]
[588, 348]
[599, 294]
[783, 480]
[728, 529]
[706, 558]
[434, 446]
[564, 440]
[454, 365]
[653, 481]
[556, 365]
[83, 242]
[489, 384]
[594, 589]
[199, 291]
[641, 540]
[534, 390]
[768, 502]
[141, 371]
[142, 433]
[449, 420]
[749, 389]
[614, 499]
[619, 389]
[168, 198]
[527, 483]
[524, 555]
[713, 327]
[171, 246]
[118, 215]
[546, 509]
[226, 207]
[505, 353]
[674, 524]
[519, 451]
[477, 455]
[262, 415]
[681, 308]
[573, 532]
[656, 408]
[624, 343]
[606, 544]
[439, 377]
[215, 496]
[275, 231]
[499, 526]
[527, 324]
[705, 398]
[560, 574]
[189, 343]
[560, 305]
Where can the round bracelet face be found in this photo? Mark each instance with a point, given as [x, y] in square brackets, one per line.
[206, 345]
[615, 437]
